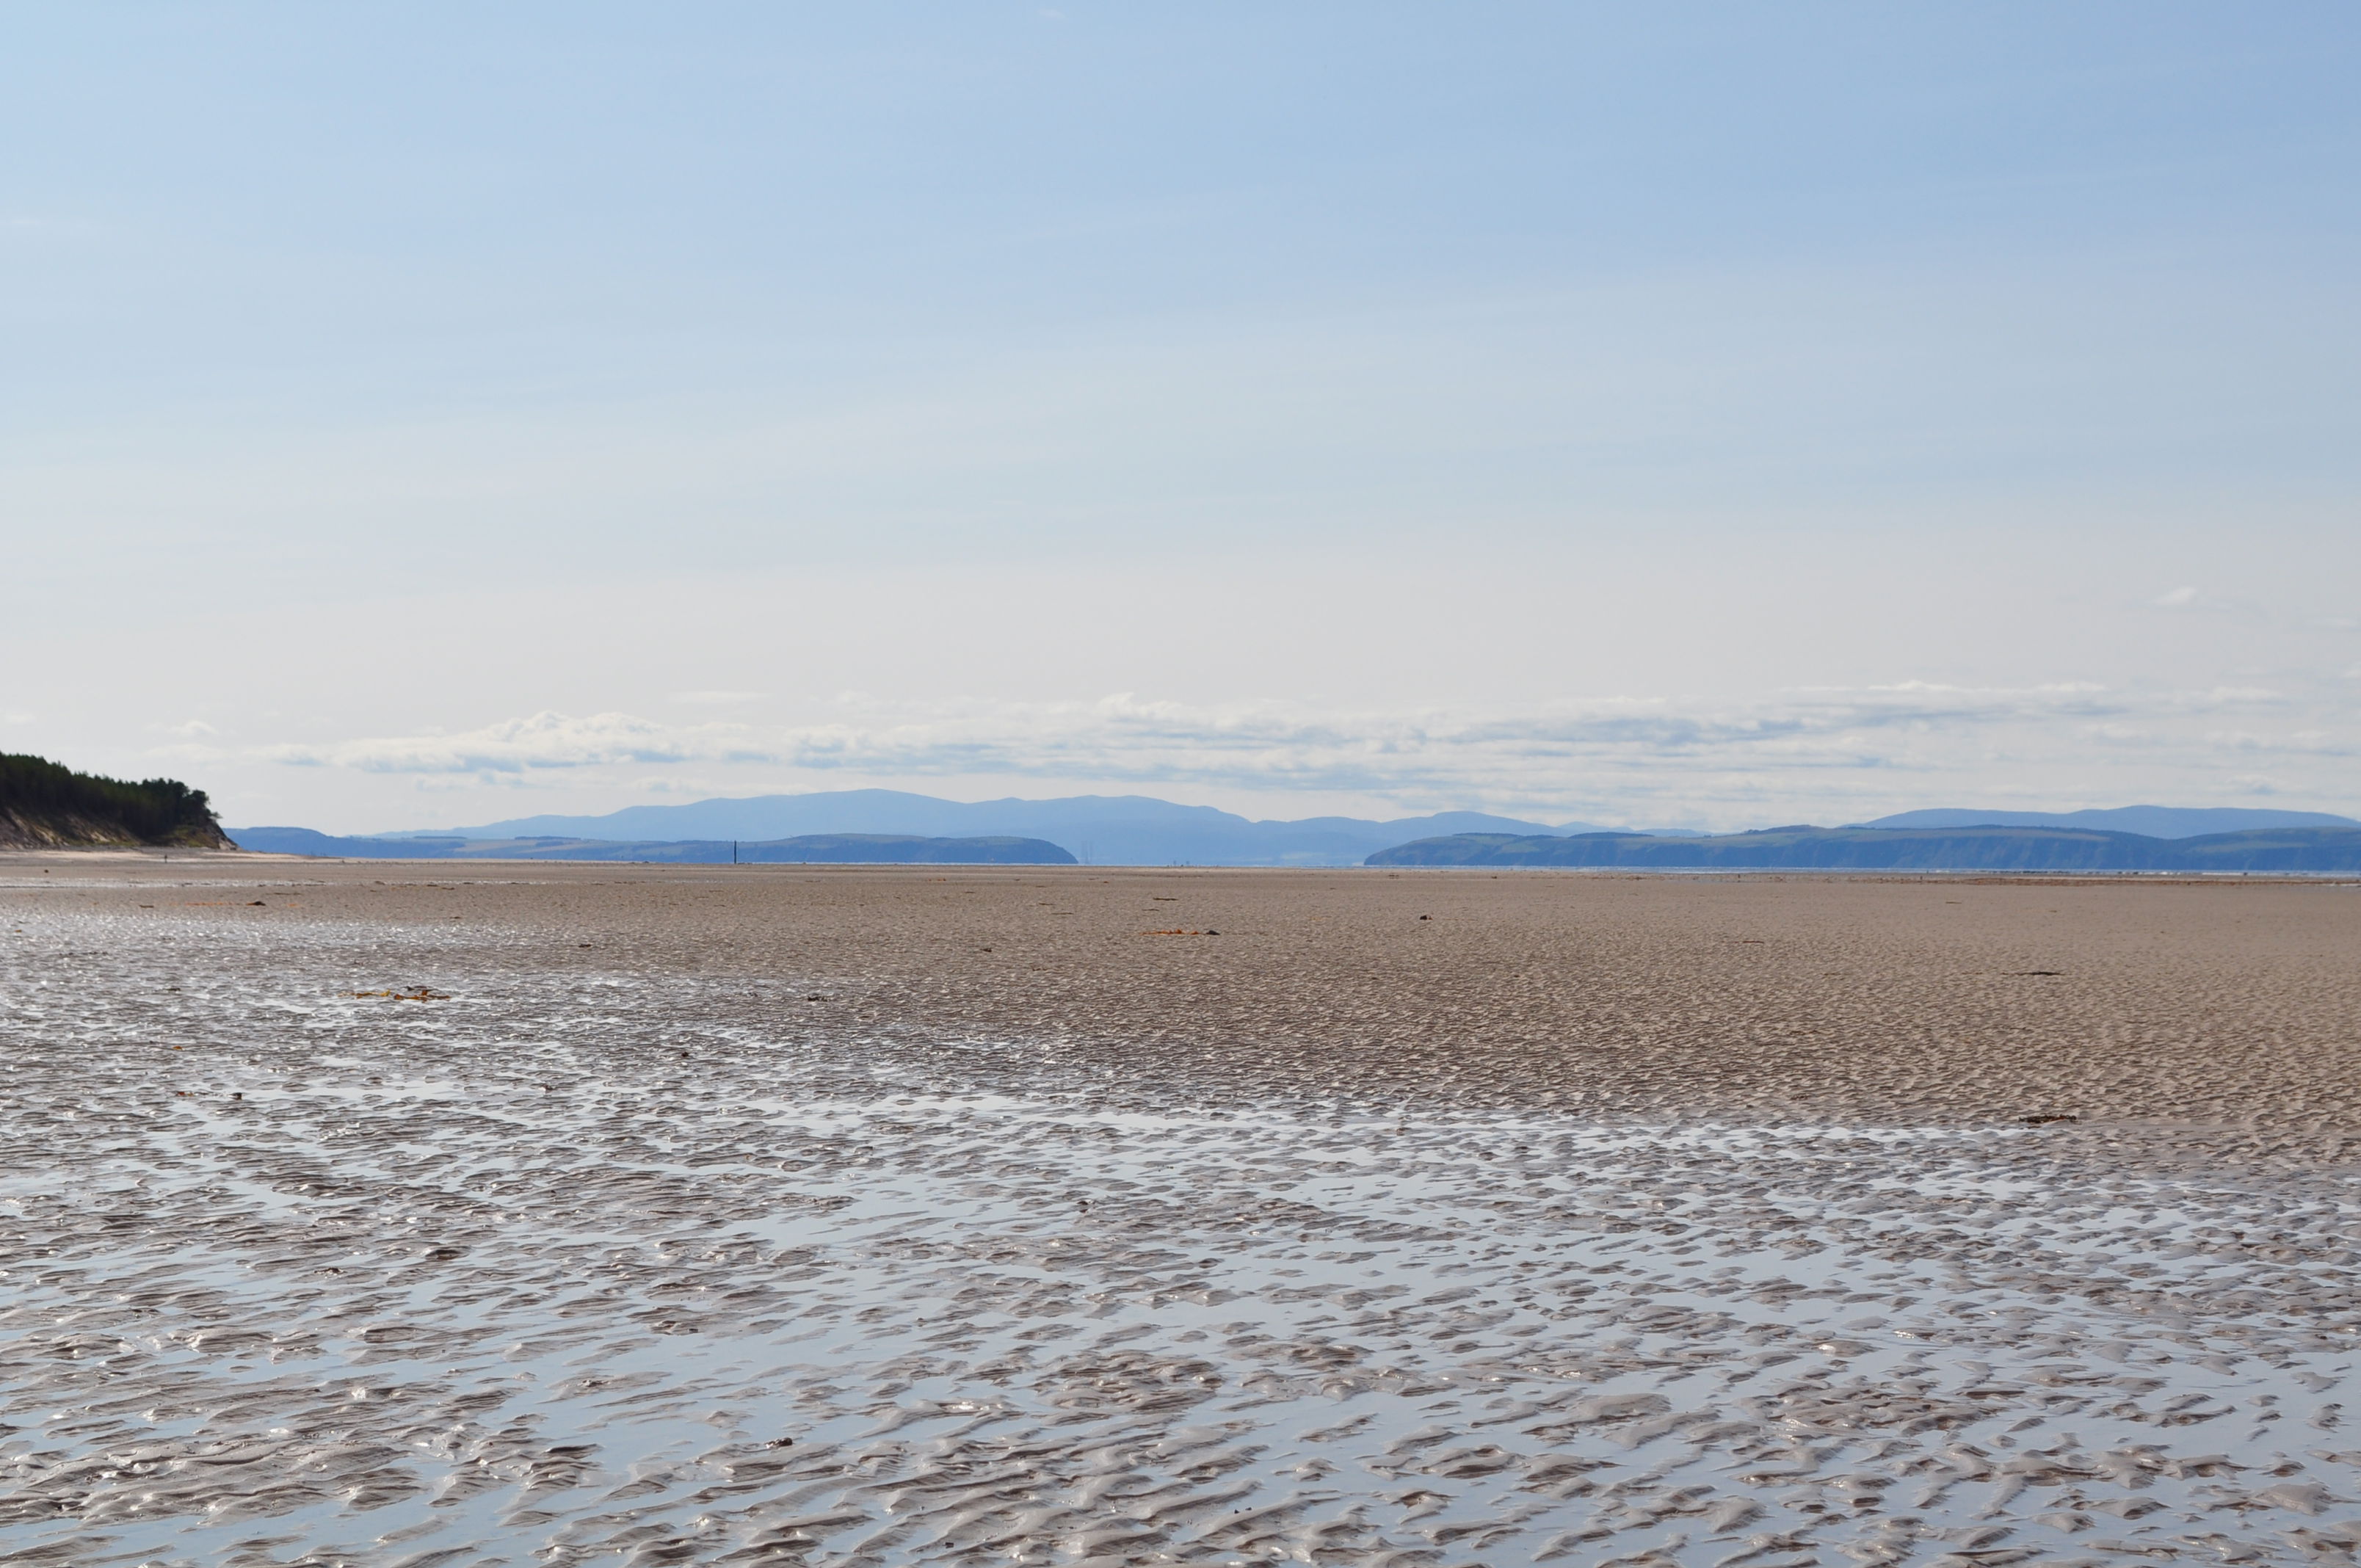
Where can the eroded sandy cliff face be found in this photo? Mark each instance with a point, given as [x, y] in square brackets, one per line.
[21, 829]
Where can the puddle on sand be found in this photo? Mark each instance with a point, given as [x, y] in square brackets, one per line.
[510, 1279]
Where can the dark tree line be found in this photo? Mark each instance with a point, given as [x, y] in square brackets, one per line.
[152, 810]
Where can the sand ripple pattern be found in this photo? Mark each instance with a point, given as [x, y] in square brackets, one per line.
[613, 1268]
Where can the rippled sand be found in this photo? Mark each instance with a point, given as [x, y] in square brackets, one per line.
[765, 1215]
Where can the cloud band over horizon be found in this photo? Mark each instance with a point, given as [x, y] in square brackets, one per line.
[1909, 743]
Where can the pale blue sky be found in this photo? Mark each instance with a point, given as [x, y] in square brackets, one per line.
[427, 413]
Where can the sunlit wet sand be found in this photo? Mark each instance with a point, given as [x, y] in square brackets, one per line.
[471, 1215]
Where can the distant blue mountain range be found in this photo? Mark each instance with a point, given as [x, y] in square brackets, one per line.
[1099, 829]
[2150, 821]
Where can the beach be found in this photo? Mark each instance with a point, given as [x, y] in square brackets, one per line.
[425, 1213]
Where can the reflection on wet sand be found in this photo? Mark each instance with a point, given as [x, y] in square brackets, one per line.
[630, 1266]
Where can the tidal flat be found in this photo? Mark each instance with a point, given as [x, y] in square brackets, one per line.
[433, 1214]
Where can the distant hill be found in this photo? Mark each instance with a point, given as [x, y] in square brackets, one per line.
[1138, 830]
[1131, 830]
[1888, 848]
[47, 806]
[838, 849]
[2152, 821]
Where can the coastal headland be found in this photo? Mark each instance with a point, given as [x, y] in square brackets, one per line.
[44, 805]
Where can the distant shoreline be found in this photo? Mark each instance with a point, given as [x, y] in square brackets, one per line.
[246, 860]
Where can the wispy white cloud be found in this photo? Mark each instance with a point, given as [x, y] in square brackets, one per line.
[543, 741]
[1609, 747]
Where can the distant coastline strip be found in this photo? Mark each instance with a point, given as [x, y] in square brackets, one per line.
[1997, 848]
[814, 849]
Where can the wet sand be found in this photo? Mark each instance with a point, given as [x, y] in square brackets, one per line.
[772, 1214]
